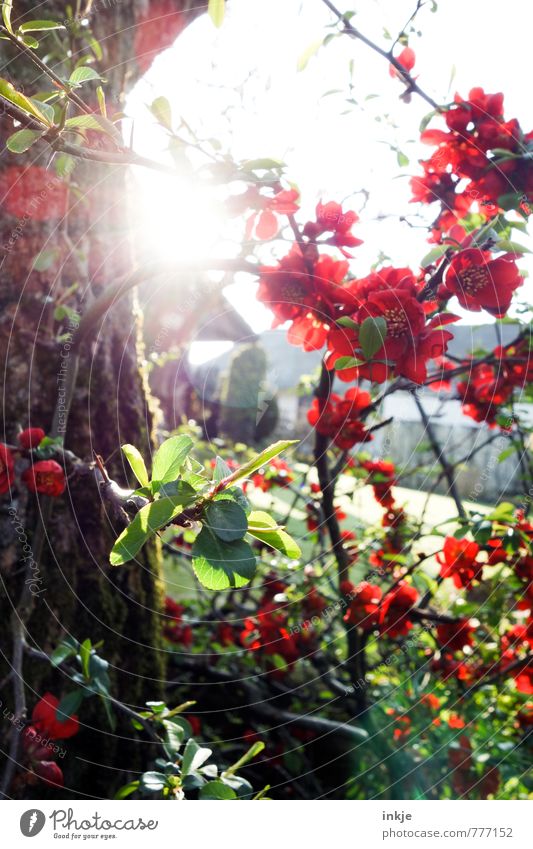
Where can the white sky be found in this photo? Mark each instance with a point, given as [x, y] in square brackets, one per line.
[240, 85]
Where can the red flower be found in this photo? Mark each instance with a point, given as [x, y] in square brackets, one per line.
[267, 632]
[31, 437]
[382, 477]
[7, 468]
[459, 562]
[338, 417]
[174, 629]
[225, 634]
[482, 283]
[276, 473]
[454, 636]
[49, 772]
[331, 218]
[394, 610]
[486, 390]
[305, 291]
[431, 700]
[313, 603]
[364, 606]
[46, 477]
[392, 295]
[402, 721]
[45, 721]
[38, 750]
[264, 223]
[524, 679]
[407, 59]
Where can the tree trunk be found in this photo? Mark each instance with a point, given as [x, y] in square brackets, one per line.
[79, 594]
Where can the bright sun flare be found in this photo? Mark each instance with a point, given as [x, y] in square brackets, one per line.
[177, 218]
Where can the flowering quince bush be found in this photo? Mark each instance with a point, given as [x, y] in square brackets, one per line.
[385, 658]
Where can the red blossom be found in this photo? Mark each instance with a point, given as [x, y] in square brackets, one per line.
[406, 58]
[276, 473]
[31, 437]
[264, 222]
[454, 636]
[331, 218]
[394, 610]
[305, 290]
[44, 719]
[338, 417]
[49, 772]
[476, 133]
[174, 629]
[46, 477]
[409, 341]
[363, 609]
[480, 282]
[458, 561]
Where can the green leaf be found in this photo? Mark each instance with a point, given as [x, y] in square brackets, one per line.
[308, 54]
[216, 790]
[137, 464]
[7, 7]
[216, 10]
[176, 489]
[264, 528]
[68, 705]
[127, 790]
[252, 752]
[68, 648]
[263, 164]
[98, 672]
[504, 512]
[39, 26]
[8, 92]
[153, 782]
[45, 259]
[29, 41]
[174, 734]
[511, 247]
[193, 757]
[227, 519]
[46, 108]
[433, 255]
[221, 470]
[372, 335]
[161, 110]
[170, 457]
[100, 96]
[146, 522]
[260, 460]
[347, 362]
[82, 75]
[93, 122]
[22, 140]
[219, 565]
[426, 119]
[85, 656]
[65, 165]
[505, 454]
[234, 493]
[402, 159]
[346, 321]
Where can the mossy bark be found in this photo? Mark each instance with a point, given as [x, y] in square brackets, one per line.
[78, 593]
